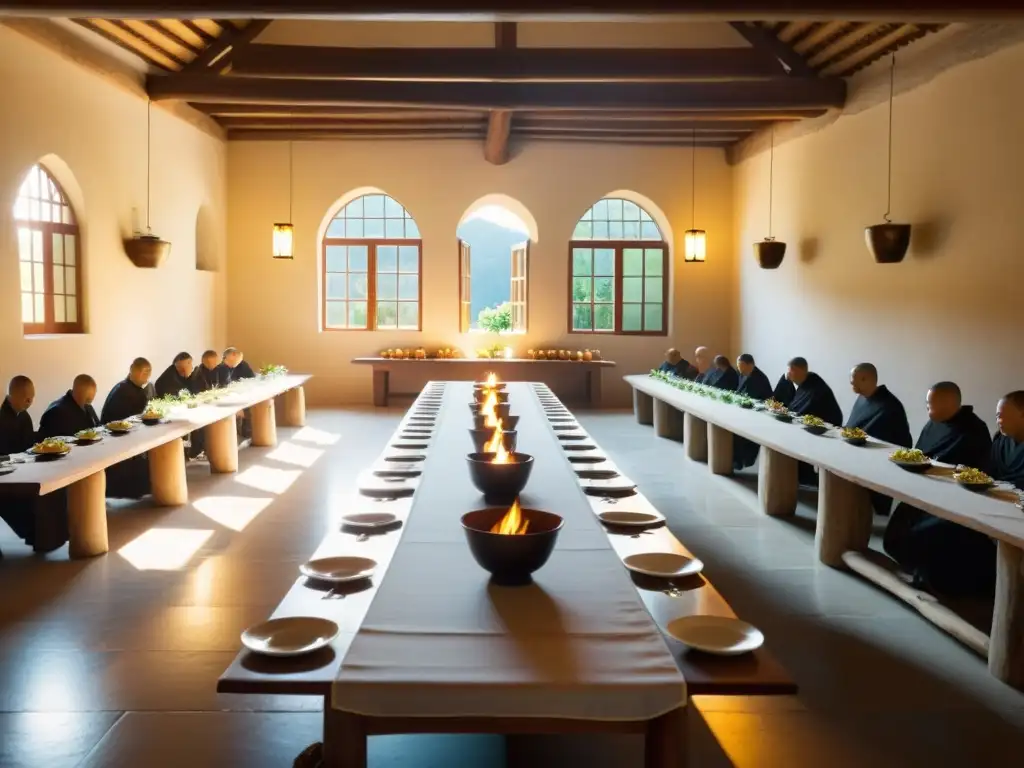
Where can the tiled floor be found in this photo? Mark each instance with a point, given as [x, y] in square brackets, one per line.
[113, 662]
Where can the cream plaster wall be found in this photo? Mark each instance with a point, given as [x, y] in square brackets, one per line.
[437, 182]
[97, 133]
[952, 309]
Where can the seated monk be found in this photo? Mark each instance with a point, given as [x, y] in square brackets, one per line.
[204, 376]
[676, 365]
[813, 397]
[234, 368]
[1008, 443]
[702, 362]
[723, 375]
[175, 377]
[941, 555]
[784, 390]
[753, 384]
[881, 414]
[17, 435]
[71, 413]
[130, 478]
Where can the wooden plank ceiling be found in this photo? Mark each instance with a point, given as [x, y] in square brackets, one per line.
[708, 97]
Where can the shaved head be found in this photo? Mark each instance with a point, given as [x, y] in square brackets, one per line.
[864, 379]
[1010, 415]
[943, 400]
[673, 356]
[702, 358]
[796, 370]
[140, 372]
[745, 364]
[20, 393]
[83, 390]
[232, 356]
[721, 362]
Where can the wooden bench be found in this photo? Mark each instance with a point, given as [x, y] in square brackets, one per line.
[82, 471]
[576, 380]
[757, 673]
[847, 475]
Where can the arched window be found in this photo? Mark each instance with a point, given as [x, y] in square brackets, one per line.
[619, 267]
[371, 259]
[48, 255]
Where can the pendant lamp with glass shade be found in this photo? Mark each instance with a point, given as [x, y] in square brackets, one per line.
[888, 242]
[284, 234]
[769, 252]
[695, 240]
[147, 250]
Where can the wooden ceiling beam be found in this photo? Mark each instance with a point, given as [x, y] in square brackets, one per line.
[766, 42]
[347, 135]
[921, 11]
[817, 36]
[506, 64]
[114, 34]
[650, 141]
[780, 93]
[697, 118]
[338, 124]
[277, 113]
[648, 126]
[793, 30]
[229, 42]
[871, 50]
[173, 36]
[842, 44]
[499, 123]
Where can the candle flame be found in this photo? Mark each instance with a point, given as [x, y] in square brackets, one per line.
[513, 523]
[490, 403]
[501, 456]
[491, 421]
[492, 381]
[492, 445]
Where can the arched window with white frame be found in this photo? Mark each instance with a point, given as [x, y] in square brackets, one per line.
[49, 256]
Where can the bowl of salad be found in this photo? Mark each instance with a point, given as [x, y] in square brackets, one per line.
[745, 402]
[814, 425]
[972, 479]
[50, 448]
[910, 459]
[86, 436]
[151, 417]
[119, 427]
[854, 435]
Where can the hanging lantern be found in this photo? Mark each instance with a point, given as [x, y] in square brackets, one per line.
[888, 242]
[147, 251]
[284, 234]
[770, 252]
[695, 241]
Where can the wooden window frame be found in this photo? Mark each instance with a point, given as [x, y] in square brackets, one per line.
[520, 307]
[47, 230]
[371, 281]
[519, 293]
[619, 246]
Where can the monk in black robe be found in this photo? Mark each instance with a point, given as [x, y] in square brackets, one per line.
[723, 375]
[755, 385]
[1008, 443]
[676, 365]
[130, 478]
[71, 413]
[17, 435]
[234, 368]
[881, 414]
[702, 360]
[813, 397]
[175, 377]
[205, 375]
[941, 555]
[784, 390]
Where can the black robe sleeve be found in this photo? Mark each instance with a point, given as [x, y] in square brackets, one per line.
[815, 398]
[757, 386]
[63, 418]
[17, 434]
[125, 400]
[784, 391]
[728, 380]
[1008, 460]
[170, 383]
[242, 371]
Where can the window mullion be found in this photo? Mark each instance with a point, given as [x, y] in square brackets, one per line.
[618, 290]
[371, 287]
[48, 297]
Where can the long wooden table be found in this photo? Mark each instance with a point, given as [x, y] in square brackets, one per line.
[757, 673]
[847, 475]
[82, 472]
[573, 379]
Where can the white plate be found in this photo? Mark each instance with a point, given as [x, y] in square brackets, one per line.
[588, 458]
[405, 458]
[339, 570]
[716, 634]
[409, 446]
[560, 418]
[623, 517]
[663, 565]
[557, 427]
[573, 436]
[620, 484]
[579, 447]
[289, 637]
[369, 519]
[603, 470]
[396, 469]
[385, 487]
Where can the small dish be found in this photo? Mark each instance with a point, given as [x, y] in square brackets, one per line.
[409, 446]
[579, 447]
[630, 519]
[612, 485]
[293, 636]
[339, 570]
[663, 565]
[369, 520]
[716, 634]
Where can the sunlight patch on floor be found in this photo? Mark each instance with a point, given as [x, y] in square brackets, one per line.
[164, 549]
[268, 479]
[316, 436]
[297, 455]
[234, 512]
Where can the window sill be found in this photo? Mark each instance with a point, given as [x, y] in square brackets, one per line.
[482, 332]
[46, 336]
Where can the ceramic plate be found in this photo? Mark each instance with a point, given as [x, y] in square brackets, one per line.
[580, 447]
[369, 519]
[664, 565]
[409, 446]
[405, 458]
[716, 634]
[622, 517]
[572, 425]
[48, 454]
[395, 469]
[289, 637]
[597, 471]
[560, 418]
[587, 458]
[385, 487]
[573, 436]
[620, 484]
[339, 570]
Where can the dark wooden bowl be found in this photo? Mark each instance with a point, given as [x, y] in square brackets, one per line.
[479, 395]
[918, 468]
[509, 438]
[856, 440]
[511, 560]
[507, 422]
[500, 482]
[815, 430]
[501, 411]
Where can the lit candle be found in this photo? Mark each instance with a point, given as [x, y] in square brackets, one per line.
[513, 523]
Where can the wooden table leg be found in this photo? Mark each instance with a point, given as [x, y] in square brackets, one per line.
[643, 407]
[777, 483]
[595, 387]
[668, 421]
[844, 518]
[719, 450]
[380, 388]
[264, 425]
[696, 437]
[222, 445]
[87, 516]
[665, 741]
[294, 407]
[167, 474]
[1006, 646]
[344, 739]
